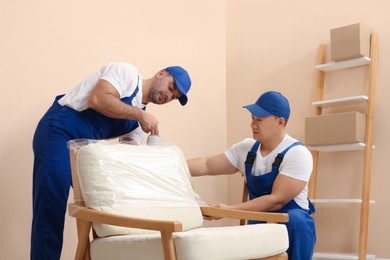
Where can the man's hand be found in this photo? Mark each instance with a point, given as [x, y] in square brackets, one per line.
[148, 123]
[219, 205]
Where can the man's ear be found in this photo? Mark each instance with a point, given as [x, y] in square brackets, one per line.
[160, 74]
[281, 121]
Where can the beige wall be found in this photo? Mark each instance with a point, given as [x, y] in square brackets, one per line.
[234, 50]
[273, 45]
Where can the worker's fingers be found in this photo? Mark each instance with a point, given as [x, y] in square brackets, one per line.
[149, 123]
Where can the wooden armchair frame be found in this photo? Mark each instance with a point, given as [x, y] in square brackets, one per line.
[86, 216]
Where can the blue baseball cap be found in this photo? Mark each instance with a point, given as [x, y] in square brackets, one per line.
[270, 103]
[182, 80]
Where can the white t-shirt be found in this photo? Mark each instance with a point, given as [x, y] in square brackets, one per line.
[125, 79]
[297, 163]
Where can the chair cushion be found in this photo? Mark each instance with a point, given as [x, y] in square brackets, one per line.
[225, 243]
[139, 181]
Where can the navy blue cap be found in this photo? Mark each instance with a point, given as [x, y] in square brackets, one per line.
[270, 103]
[182, 80]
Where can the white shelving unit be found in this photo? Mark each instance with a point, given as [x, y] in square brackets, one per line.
[346, 101]
[333, 201]
[343, 64]
[338, 147]
[365, 201]
[339, 256]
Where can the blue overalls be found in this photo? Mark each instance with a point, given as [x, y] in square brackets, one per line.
[301, 226]
[52, 175]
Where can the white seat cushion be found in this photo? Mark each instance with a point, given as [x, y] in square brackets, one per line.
[225, 243]
[138, 181]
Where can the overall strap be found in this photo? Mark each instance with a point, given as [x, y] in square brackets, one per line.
[128, 100]
[280, 156]
[250, 158]
[135, 92]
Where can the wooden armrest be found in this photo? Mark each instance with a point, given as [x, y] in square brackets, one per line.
[93, 215]
[268, 217]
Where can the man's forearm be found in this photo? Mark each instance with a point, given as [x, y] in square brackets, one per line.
[197, 166]
[113, 107]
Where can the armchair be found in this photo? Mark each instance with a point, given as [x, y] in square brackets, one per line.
[137, 202]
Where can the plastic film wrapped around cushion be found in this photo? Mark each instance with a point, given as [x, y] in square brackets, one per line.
[139, 181]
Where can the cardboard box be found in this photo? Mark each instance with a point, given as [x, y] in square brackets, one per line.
[338, 128]
[349, 42]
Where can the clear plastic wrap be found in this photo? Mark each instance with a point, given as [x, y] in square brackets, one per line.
[142, 181]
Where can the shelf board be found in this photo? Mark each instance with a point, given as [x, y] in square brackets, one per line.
[340, 256]
[352, 201]
[344, 64]
[346, 101]
[337, 147]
